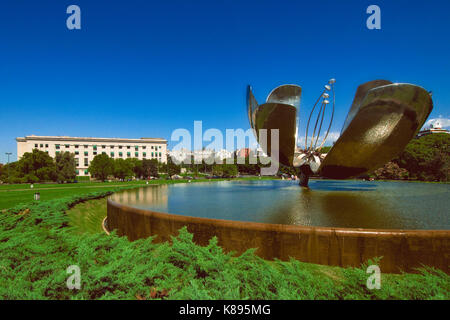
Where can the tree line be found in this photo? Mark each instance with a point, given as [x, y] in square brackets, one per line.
[425, 159]
[38, 166]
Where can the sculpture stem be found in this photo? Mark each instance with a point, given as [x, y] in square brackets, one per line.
[305, 173]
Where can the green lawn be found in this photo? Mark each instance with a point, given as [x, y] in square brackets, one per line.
[39, 240]
[11, 195]
[87, 217]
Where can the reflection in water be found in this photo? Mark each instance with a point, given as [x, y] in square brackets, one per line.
[331, 203]
[342, 185]
[156, 195]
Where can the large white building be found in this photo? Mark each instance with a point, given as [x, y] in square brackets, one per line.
[85, 149]
[435, 127]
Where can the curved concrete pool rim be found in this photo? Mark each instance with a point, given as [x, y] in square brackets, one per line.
[402, 250]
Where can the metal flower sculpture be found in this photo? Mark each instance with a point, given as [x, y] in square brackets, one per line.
[383, 118]
[279, 112]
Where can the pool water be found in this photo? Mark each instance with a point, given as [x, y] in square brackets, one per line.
[328, 203]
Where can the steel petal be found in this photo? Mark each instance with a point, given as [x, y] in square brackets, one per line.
[282, 117]
[286, 94]
[386, 120]
[252, 105]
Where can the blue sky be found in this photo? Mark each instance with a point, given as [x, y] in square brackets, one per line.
[144, 68]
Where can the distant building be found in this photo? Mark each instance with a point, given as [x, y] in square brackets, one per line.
[182, 154]
[85, 149]
[203, 154]
[242, 153]
[435, 127]
[223, 154]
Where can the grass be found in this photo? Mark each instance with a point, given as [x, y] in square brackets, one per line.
[87, 217]
[12, 195]
[38, 241]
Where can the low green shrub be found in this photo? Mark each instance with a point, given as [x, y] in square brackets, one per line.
[37, 244]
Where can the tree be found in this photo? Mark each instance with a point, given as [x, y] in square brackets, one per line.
[217, 170]
[391, 171]
[150, 168]
[65, 166]
[36, 166]
[10, 174]
[427, 158]
[325, 149]
[136, 167]
[225, 170]
[229, 171]
[122, 168]
[101, 167]
[172, 168]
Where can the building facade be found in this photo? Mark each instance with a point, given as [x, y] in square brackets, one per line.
[435, 127]
[187, 156]
[85, 149]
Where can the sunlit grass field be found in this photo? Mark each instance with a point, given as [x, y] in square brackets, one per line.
[11, 195]
[40, 239]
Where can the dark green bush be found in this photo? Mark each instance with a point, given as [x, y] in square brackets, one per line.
[37, 245]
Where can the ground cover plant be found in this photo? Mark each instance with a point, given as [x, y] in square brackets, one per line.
[38, 241]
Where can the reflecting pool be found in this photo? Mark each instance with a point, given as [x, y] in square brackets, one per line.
[328, 203]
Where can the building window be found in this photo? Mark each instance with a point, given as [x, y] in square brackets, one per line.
[152, 154]
[144, 147]
[86, 172]
[46, 145]
[57, 146]
[144, 154]
[58, 152]
[120, 154]
[136, 148]
[86, 162]
[128, 154]
[160, 154]
[160, 147]
[112, 154]
[67, 145]
[77, 153]
[86, 153]
[77, 172]
[77, 162]
[152, 147]
[41, 145]
[112, 147]
[86, 146]
[95, 147]
[136, 154]
[128, 147]
[120, 147]
[95, 153]
[76, 146]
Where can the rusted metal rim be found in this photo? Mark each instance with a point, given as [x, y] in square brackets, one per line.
[401, 250]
